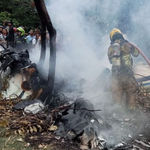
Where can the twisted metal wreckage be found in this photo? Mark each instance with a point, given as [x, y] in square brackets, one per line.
[34, 96]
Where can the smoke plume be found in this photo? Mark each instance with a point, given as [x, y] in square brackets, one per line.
[83, 39]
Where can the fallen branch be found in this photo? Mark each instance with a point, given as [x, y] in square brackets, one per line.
[142, 143]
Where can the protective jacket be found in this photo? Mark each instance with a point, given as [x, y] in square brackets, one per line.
[119, 55]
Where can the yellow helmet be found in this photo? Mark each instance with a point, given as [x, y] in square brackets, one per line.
[113, 31]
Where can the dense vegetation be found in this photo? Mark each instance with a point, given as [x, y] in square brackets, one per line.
[21, 12]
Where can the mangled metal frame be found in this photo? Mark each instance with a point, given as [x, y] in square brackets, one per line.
[47, 24]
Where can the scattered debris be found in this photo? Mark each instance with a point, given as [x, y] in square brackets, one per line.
[34, 108]
[126, 120]
[50, 120]
[20, 140]
[142, 143]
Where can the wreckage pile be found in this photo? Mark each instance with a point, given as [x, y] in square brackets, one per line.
[37, 129]
[42, 128]
[48, 124]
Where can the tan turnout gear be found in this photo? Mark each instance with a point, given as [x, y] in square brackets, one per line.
[124, 86]
[120, 54]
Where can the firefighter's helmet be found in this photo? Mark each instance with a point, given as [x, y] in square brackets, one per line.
[114, 31]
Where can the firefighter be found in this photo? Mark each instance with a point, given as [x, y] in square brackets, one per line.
[124, 85]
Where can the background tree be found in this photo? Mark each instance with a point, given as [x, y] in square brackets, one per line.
[21, 12]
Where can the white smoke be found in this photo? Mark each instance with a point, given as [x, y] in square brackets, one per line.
[84, 45]
[140, 27]
[83, 38]
[83, 32]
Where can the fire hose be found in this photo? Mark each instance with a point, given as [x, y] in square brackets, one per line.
[140, 51]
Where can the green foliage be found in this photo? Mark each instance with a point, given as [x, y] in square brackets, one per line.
[4, 16]
[21, 12]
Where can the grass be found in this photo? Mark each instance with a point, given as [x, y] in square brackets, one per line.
[16, 142]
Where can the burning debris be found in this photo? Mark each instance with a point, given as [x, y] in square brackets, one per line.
[53, 125]
[33, 115]
[27, 115]
[30, 107]
[85, 127]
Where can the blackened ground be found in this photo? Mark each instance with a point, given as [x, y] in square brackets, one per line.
[132, 129]
[50, 139]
